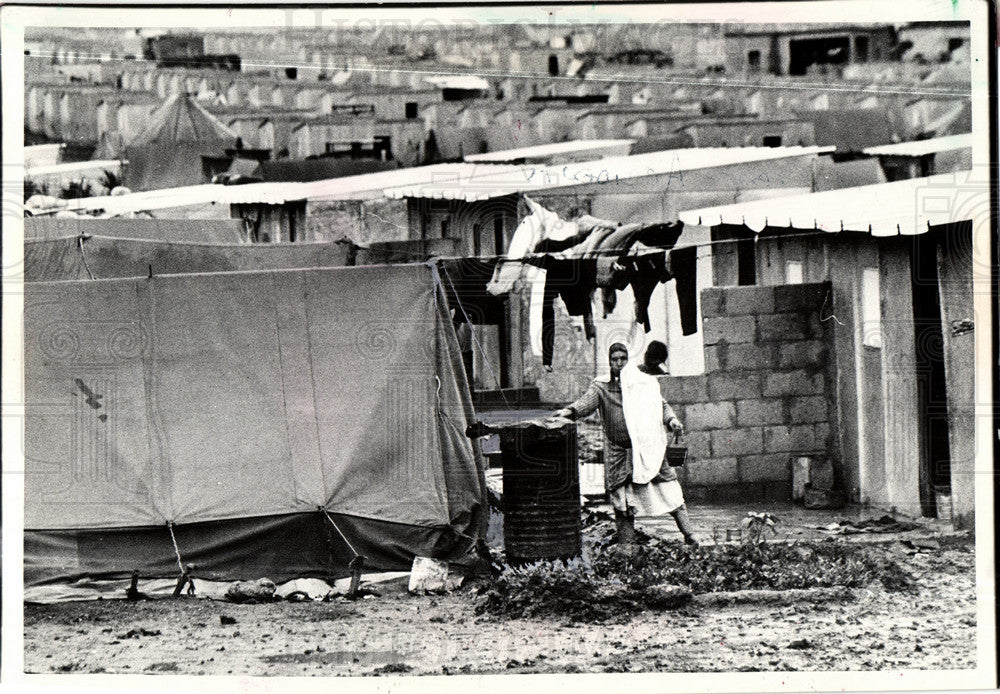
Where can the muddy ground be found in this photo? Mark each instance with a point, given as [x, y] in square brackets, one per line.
[399, 633]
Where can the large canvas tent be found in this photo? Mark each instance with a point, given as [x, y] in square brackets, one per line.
[251, 423]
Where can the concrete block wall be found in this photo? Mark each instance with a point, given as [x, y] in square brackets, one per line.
[766, 395]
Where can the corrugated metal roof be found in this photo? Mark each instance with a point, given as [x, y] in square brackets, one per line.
[528, 178]
[905, 208]
[546, 150]
[920, 148]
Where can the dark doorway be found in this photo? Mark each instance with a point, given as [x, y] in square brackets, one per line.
[499, 245]
[746, 262]
[804, 53]
[553, 65]
[861, 49]
[932, 399]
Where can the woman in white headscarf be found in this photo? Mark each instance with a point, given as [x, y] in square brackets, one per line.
[654, 489]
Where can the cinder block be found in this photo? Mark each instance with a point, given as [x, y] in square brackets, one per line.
[816, 328]
[795, 355]
[765, 468]
[754, 355]
[798, 382]
[737, 442]
[742, 301]
[733, 385]
[782, 327]
[798, 438]
[682, 390]
[726, 330]
[806, 409]
[699, 444]
[712, 472]
[711, 302]
[821, 435]
[714, 354]
[710, 415]
[678, 410]
[800, 297]
[760, 412]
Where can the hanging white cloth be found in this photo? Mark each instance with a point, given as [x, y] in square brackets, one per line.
[540, 224]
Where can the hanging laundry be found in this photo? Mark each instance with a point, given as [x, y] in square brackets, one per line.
[539, 224]
[559, 245]
[684, 268]
[573, 280]
[645, 271]
[661, 235]
[612, 273]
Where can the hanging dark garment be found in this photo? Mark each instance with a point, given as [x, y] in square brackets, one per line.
[644, 273]
[554, 246]
[662, 235]
[684, 268]
[573, 280]
[465, 281]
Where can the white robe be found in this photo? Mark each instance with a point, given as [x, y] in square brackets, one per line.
[643, 407]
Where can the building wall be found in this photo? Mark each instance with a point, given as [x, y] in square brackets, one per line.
[766, 397]
[956, 292]
[362, 222]
[877, 439]
[752, 134]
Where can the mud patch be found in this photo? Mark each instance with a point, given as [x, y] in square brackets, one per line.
[334, 657]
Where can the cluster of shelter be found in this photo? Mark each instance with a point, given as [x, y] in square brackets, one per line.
[332, 337]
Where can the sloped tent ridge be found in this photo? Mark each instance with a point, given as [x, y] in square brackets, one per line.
[168, 151]
[182, 119]
[98, 257]
[236, 406]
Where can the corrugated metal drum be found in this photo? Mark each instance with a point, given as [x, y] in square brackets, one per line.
[541, 490]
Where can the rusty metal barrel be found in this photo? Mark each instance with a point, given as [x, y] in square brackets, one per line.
[541, 490]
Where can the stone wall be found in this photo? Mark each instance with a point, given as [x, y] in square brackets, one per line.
[767, 395]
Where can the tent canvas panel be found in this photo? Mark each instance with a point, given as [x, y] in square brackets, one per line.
[99, 257]
[278, 547]
[237, 396]
[218, 231]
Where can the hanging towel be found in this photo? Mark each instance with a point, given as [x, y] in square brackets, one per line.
[642, 404]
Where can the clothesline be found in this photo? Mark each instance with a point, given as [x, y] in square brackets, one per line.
[596, 253]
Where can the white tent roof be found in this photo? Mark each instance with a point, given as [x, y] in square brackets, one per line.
[528, 178]
[906, 207]
[920, 148]
[547, 150]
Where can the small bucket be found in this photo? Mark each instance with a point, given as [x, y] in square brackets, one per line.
[677, 453]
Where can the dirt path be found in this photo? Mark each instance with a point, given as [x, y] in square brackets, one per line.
[400, 633]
